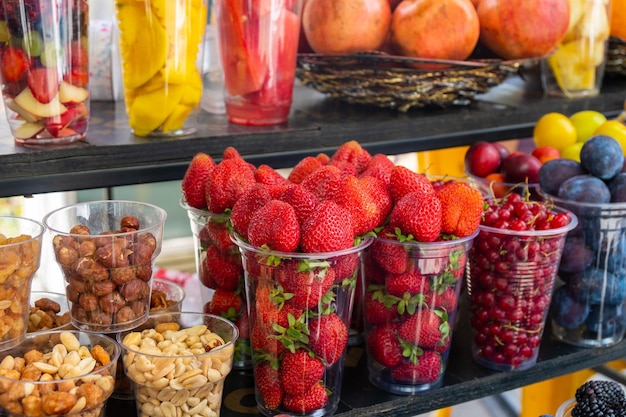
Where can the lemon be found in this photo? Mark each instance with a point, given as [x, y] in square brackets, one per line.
[614, 129]
[572, 151]
[556, 130]
[586, 122]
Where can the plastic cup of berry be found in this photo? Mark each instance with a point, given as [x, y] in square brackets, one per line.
[45, 70]
[410, 302]
[589, 302]
[300, 305]
[513, 265]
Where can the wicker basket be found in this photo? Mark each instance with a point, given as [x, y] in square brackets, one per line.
[616, 57]
[389, 81]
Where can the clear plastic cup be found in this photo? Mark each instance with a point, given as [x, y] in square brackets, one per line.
[409, 288]
[510, 281]
[106, 251]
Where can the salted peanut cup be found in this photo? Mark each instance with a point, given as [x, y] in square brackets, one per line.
[177, 363]
[69, 373]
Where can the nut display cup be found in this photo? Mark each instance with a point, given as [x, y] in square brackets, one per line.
[510, 281]
[576, 68]
[48, 311]
[499, 189]
[258, 47]
[69, 373]
[219, 269]
[106, 251]
[410, 301]
[178, 362]
[45, 82]
[589, 303]
[20, 253]
[160, 45]
[299, 305]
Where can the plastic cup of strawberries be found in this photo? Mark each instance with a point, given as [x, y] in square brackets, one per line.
[45, 70]
[512, 271]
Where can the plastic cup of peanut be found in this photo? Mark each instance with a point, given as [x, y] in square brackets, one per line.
[58, 373]
[106, 251]
[177, 363]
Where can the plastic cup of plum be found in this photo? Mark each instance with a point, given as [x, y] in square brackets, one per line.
[410, 301]
[69, 373]
[106, 251]
[219, 269]
[178, 363]
[588, 305]
[45, 76]
[258, 47]
[20, 253]
[510, 280]
[300, 305]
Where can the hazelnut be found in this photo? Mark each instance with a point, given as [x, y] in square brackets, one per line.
[101, 288]
[129, 222]
[125, 314]
[122, 275]
[88, 302]
[112, 302]
[135, 290]
[112, 255]
[80, 229]
[142, 253]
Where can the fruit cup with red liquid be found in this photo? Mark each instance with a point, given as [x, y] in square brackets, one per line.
[512, 270]
[45, 69]
[258, 46]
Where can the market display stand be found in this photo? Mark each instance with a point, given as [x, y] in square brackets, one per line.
[112, 156]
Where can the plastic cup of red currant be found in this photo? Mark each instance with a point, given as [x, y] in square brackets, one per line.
[588, 307]
[45, 70]
[512, 270]
[410, 302]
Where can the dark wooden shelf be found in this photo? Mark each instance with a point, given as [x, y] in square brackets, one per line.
[112, 156]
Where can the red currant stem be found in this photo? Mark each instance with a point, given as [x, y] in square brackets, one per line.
[519, 329]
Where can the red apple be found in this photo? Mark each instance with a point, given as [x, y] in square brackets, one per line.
[521, 167]
[482, 158]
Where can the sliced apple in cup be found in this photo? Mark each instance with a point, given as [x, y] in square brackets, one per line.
[23, 114]
[69, 93]
[29, 103]
[57, 124]
[28, 130]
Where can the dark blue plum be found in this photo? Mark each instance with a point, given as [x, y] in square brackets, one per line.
[567, 312]
[607, 320]
[602, 156]
[617, 187]
[585, 189]
[589, 287]
[576, 256]
[554, 172]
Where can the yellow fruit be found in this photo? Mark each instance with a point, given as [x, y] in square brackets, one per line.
[149, 111]
[576, 11]
[618, 19]
[176, 120]
[594, 24]
[586, 122]
[556, 130]
[572, 151]
[574, 64]
[614, 129]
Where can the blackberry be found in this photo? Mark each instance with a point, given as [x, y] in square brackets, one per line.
[594, 407]
[607, 392]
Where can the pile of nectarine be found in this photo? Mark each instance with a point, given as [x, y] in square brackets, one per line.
[434, 29]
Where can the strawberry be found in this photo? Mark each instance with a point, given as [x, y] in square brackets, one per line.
[204, 274]
[374, 274]
[381, 167]
[445, 299]
[384, 345]
[404, 181]
[43, 83]
[300, 370]
[367, 201]
[324, 182]
[346, 266]
[302, 200]
[328, 337]
[428, 369]
[388, 252]
[462, 209]
[225, 303]
[418, 215]
[353, 153]
[267, 380]
[411, 283]
[271, 309]
[323, 158]
[249, 202]
[276, 226]
[327, 229]
[231, 153]
[265, 174]
[15, 63]
[314, 399]
[195, 180]
[303, 169]
[262, 343]
[376, 311]
[78, 56]
[426, 328]
[306, 281]
[225, 269]
[228, 181]
[243, 324]
[217, 231]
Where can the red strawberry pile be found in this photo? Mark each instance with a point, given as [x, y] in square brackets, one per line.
[303, 235]
[412, 285]
[512, 270]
